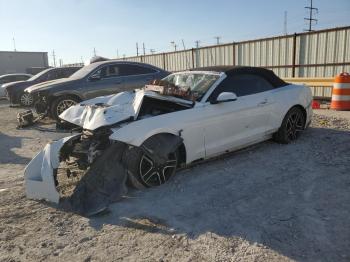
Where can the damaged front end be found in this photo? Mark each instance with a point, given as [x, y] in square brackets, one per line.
[87, 171]
[82, 173]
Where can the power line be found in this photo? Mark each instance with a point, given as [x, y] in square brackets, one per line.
[310, 18]
[152, 51]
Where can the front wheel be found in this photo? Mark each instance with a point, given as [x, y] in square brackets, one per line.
[26, 99]
[144, 171]
[60, 104]
[292, 125]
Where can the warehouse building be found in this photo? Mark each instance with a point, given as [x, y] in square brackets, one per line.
[22, 62]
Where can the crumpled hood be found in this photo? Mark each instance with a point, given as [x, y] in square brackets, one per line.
[102, 111]
[112, 109]
[48, 84]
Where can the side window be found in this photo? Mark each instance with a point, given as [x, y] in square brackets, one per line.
[11, 79]
[70, 71]
[51, 75]
[100, 72]
[111, 71]
[22, 78]
[242, 85]
[127, 70]
[63, 73]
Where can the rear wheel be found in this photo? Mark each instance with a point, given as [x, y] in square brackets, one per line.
[26, 99]
[292, 125]
[62, 103]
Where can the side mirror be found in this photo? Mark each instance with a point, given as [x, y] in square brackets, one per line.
[95, 77]
[224, 97]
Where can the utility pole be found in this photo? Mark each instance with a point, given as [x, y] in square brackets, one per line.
[137, 49]
[310, 19]
[183, 44]
[94, 51]
[82, 60]
[14, 44]
[174, 45]
[187, 59]
[197, 43]
[217, 40]
[61, 62]
[285, 23]
[117, 53]
[54, 58]
[197, 54]
[144, 49]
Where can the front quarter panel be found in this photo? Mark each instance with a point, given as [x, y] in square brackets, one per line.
[185, 123]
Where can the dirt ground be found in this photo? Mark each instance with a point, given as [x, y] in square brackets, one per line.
[269, 202]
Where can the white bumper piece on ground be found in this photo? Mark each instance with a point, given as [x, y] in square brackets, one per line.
[39, 173]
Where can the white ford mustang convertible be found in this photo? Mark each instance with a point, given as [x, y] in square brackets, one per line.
[143, 136]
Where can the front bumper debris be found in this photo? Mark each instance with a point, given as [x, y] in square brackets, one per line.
[103, 182]
[39, 173]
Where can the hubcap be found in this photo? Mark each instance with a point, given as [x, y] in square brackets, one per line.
[153, 174]
[64, 104]
[295, 124]
[26, 99]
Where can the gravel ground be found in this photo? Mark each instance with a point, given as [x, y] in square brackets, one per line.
[269, 202]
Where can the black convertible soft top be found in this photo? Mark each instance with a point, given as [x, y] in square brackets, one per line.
[267, 74]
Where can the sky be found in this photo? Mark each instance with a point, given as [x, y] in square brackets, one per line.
[73, 28]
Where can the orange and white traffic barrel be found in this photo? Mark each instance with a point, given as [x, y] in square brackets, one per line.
[341, 92]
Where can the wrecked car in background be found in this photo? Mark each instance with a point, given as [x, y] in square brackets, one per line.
[143, 136]
[96, 79]
[15, 91]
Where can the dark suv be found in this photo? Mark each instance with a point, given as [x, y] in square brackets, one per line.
[97, 79]
[15, 91]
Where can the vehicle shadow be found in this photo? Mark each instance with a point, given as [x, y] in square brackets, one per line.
[294, 198]
[7, 156]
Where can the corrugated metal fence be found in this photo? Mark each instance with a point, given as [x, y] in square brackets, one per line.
[322, 53]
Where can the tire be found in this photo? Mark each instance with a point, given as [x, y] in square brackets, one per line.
[62, 103]
[26, 99]
[144, 172]
[291, 127]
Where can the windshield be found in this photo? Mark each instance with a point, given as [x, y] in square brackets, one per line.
[38, 75]
[84, 71]
[197, 83]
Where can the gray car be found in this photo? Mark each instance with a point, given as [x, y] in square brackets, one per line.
[4, 79]
[97, 79]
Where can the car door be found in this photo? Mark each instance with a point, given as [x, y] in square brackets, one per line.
[237, 123]
[105, 80]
